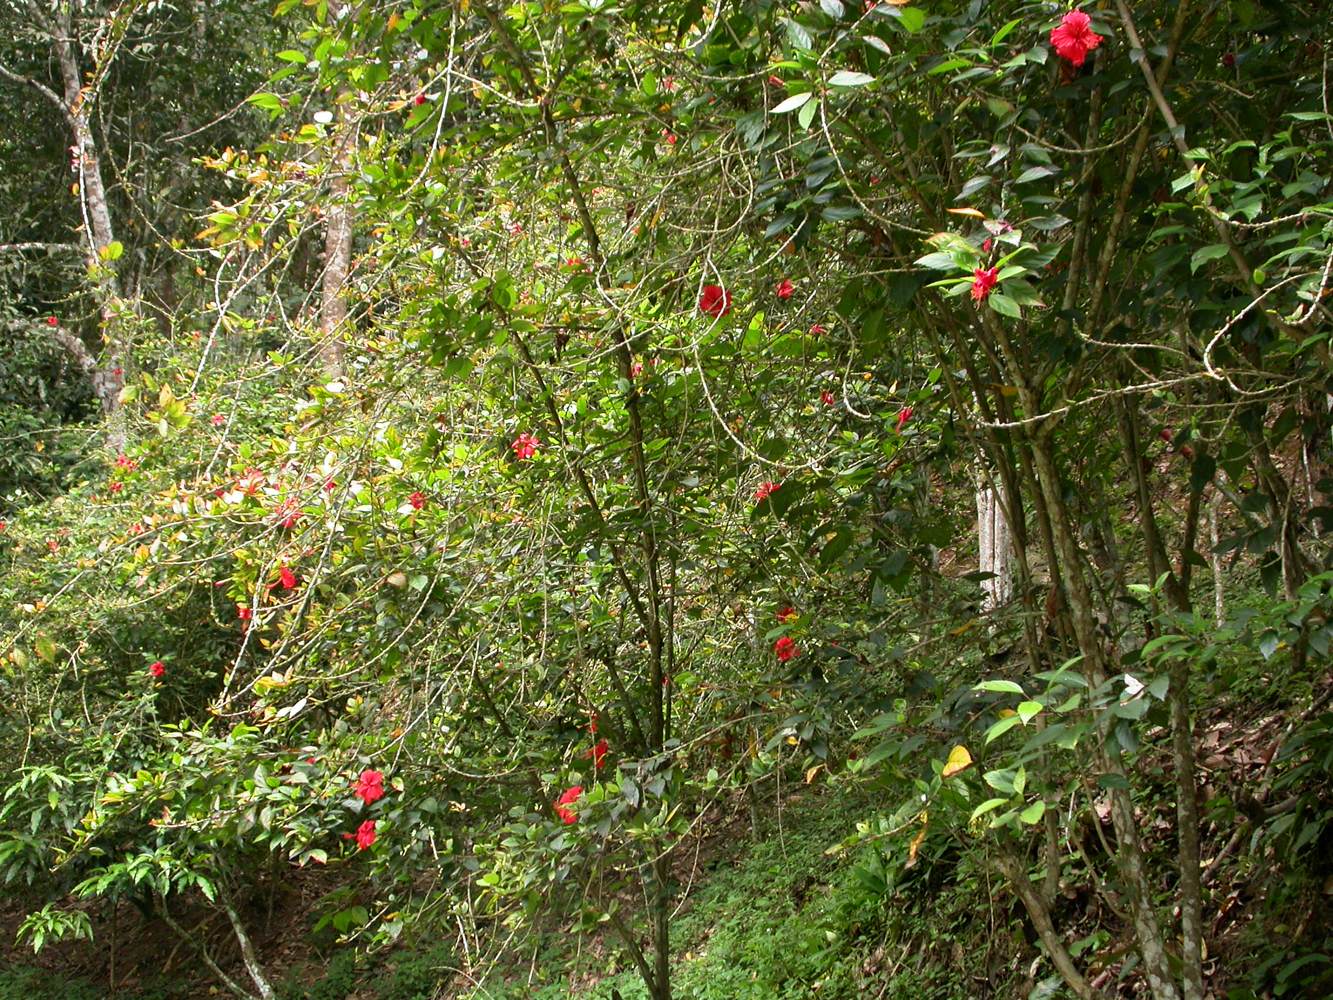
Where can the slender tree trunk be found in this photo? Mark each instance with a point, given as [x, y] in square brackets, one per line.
[994, 547]
[99, 233]
[338, 228]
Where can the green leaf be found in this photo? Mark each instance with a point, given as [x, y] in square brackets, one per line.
[999, 687]
[985, 807]
[1029, 710]
[793, 102]
[849, 78]
[1004, 305]
[1204, 254]
[1033, 812]
[807, 114]
[1002, 727]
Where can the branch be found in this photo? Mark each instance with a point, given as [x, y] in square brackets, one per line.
[213, 966]
[41, 88]
[30, 247]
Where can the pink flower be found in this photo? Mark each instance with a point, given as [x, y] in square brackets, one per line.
[115, 487]
[1074, 38]
[816, 329]
[668, 137]
[289, 513]
[775, 81]
[244, 612]
[218, 419]
[417, 500]
[123, 461]
[669, 84]
[904, 415]
[636, 369]
[714, 301]
[785, 648]
[516, 229]
[827, 398]
[785, 289]
[525, 446]
[983, 280]
[574, 263]
[369, 787]
[157, 668]
[364, 836]
[562, 804]
[765, 490]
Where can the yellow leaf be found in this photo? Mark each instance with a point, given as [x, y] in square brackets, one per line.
[971, 213]
[959, 761]
[810, 774]
[1006, 712]
[916, 843]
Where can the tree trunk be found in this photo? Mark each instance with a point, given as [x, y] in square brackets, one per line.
[993, 547]
[339, 224]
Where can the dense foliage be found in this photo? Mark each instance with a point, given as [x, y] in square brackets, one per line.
[532, 437]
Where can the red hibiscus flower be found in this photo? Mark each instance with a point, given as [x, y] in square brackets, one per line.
[904, 415]
[787, 614]
[289, 513]
[417, 500]
[785, 289]
[369, 787]
[983, 280]
[598, 754]
[525, 446]
[785, 648]
[1074, 38]
[765, 490]
[157, 668]
[827, 398]
[562, 809]
[52, 321]
[715, 301]
[244, 612]
[364, 836]
[286, 578]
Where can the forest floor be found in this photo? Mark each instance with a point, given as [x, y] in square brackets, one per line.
[761, 914]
